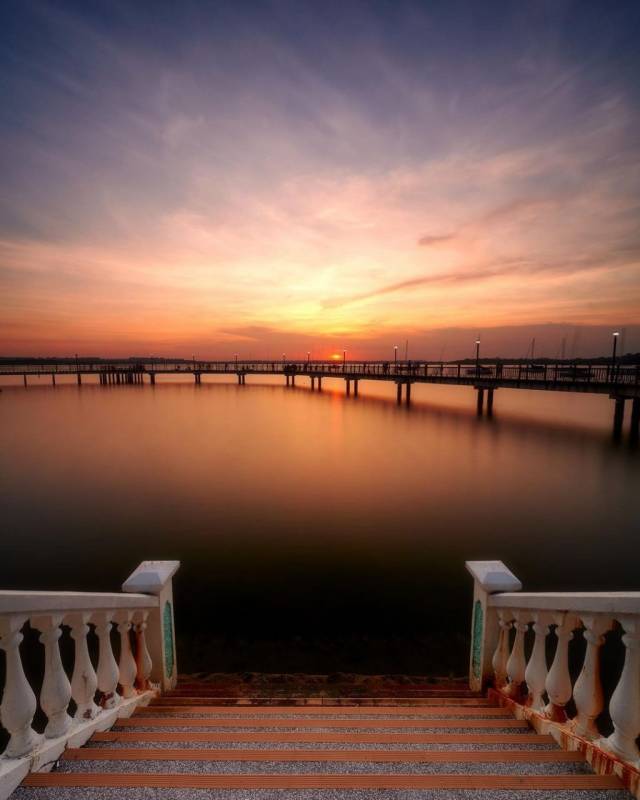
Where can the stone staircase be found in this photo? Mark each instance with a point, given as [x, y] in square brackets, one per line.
[437, 743]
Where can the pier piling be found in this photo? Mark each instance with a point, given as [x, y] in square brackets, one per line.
[490, 402]
[480, 401]
[618, 416]
[634, 431]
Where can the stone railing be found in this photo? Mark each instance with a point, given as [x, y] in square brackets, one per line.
[95, 695]
[513, 631]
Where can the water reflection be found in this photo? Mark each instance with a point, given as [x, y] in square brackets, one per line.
[311, 516]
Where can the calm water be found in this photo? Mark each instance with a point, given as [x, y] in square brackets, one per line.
[316, 532]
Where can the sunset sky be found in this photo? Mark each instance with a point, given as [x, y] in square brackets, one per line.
[257, 177]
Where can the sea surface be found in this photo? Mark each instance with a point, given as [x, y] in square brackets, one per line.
[316, 532]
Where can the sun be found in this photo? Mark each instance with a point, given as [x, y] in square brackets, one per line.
[336, 357]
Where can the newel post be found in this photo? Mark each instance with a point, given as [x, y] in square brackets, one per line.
[488, 577]
[155, 577]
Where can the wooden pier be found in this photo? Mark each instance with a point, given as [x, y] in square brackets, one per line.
[620, 382]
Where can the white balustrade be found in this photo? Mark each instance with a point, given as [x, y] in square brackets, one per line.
[501, 654]
[587, 692]
[84, 681]
[558, 683]
[93, 690]
[18, 699]
[516, 664]
[625, 701]
[536, 672]
[144, 662]
[558, 615]
[127, 665]
[107, 675]
[56, 689]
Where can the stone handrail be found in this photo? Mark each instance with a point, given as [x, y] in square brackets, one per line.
[520, 673]
[94, 696]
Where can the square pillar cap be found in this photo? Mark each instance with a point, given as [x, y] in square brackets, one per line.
[493, 576]
[150, 577]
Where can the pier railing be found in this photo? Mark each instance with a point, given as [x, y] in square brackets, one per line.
[138, 621]
[513, 636]
[547, 374]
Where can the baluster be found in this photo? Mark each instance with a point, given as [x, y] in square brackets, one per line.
[501, 654]
[127, 666]
[516, 664]
[143, 658]
[55, 693]
[536, 672]
[107, 673]
[625, 701]
[18, 700]
[84, 680]
[558, 683]
[587, 692]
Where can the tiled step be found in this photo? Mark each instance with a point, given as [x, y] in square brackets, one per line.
[315, 781]
[327, 711]
[326, 768]
[373, 756]
[302, 722]
[445, 699]
[433, 690]
[443, 748]
[304, 736]
[122, 793]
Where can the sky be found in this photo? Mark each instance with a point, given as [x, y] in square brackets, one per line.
[212, 178]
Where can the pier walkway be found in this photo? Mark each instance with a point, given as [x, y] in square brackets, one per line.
[620, 382]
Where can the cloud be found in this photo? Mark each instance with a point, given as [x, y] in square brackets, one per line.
[447, 278]
[427, 241]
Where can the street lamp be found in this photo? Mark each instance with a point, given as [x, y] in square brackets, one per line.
[344, 360]
[235, 355]
[308, 357]
[613, 355]
[395, 353]
[477, 356]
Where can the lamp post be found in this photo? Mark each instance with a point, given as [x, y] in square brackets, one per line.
[308, 357]
[477, 357]
[235, 355]
[193, 359]
[613, 356]
[344, 360]
[395, 353]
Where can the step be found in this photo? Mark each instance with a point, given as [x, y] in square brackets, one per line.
[327, 711]
[445, 748]
[324, 767]
[302, 722]
[315, 781]
[374, 756]
[264, 702]
[334, 737]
